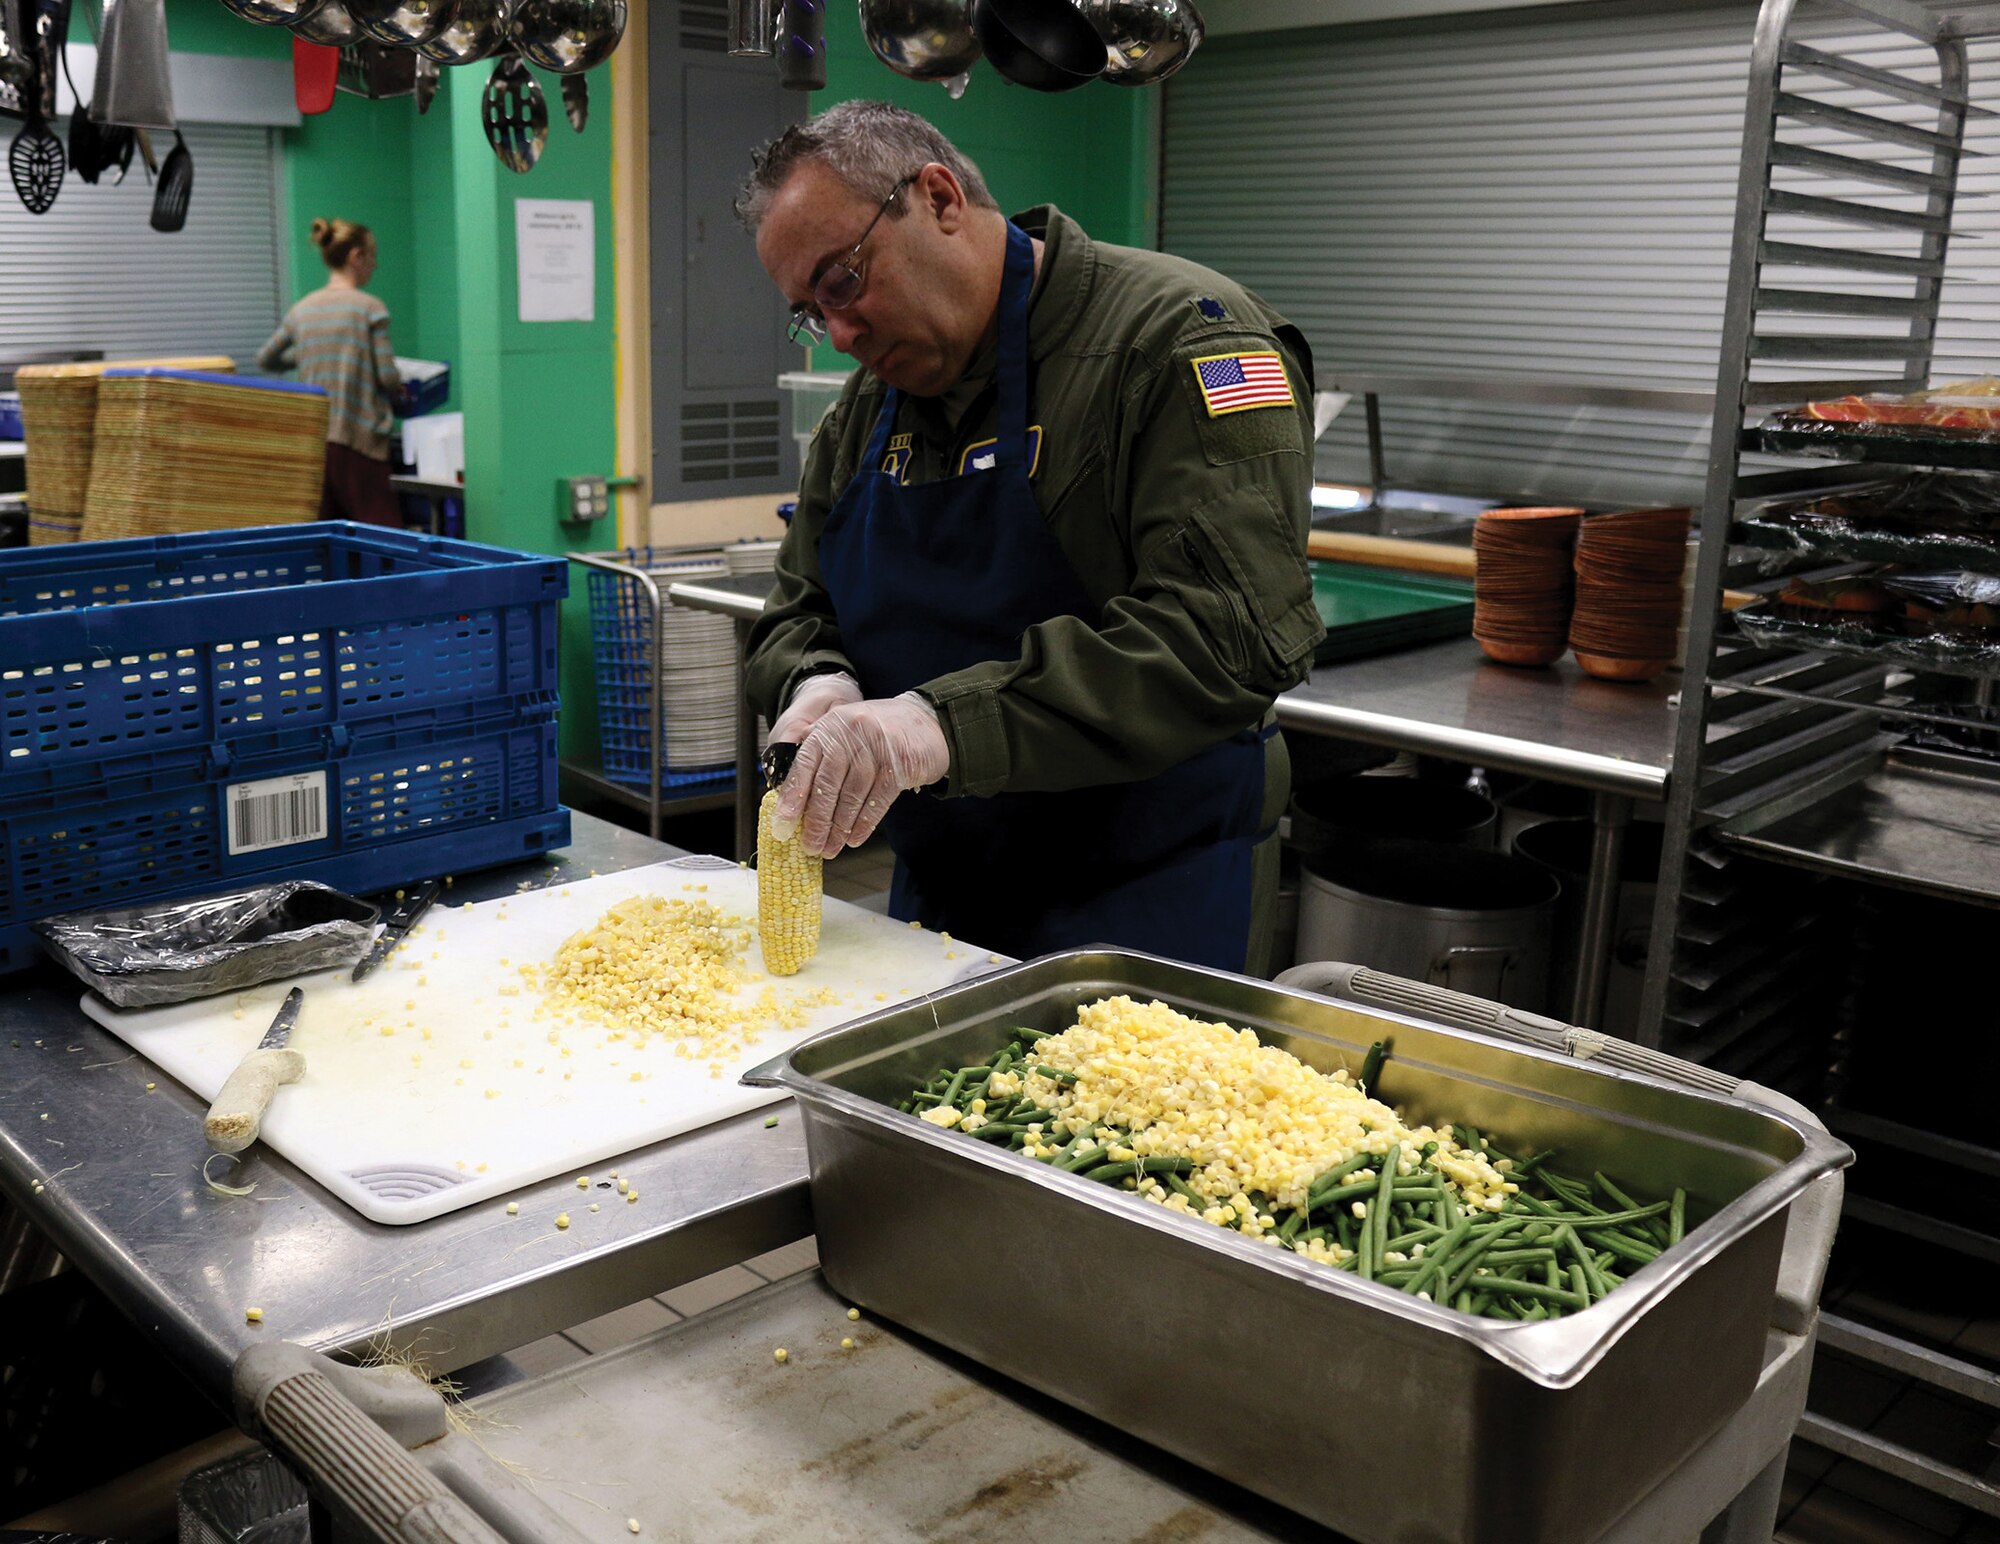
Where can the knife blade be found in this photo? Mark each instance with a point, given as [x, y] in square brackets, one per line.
[237, 1114]
[397, 924]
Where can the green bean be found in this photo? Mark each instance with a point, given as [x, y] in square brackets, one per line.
[1371, 1066]
[1520, 1256]
[1085, 1157]
[1506, 1287]
[1031, 1034]
[1423, 1233]
[1364, 1253]
[1586, 1262]
[1466, 1260]
[951, 1089]
[997, 1131]
[1676, 1217]
[1437, 1256]
[1188, 1193]
[1626, 1248]
[1657, 1229]
[1288, 1230]
[1056, 1073]
[1333, 1176]
[1385, 1190]
[1581, 1284]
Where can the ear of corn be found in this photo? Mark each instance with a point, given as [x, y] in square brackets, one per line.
[788, 896]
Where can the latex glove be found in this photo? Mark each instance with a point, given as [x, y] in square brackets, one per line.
[817, 695]
[851, 767]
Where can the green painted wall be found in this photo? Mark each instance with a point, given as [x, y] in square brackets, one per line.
[352, 163]
[1089, 151]
[539, 397]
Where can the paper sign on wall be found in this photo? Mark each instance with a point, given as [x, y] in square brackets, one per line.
[556, 249]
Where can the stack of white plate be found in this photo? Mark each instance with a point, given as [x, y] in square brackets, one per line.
[752, 557]
[697, 676]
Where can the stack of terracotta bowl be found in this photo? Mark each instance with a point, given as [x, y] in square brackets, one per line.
[1628, 593]
[1523, 586]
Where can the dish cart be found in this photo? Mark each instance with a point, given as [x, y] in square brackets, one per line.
[1063, 1356]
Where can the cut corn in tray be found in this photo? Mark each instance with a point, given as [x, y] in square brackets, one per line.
[1202, 1119]
[788, 896]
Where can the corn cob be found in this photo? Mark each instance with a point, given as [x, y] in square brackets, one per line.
[788, 896]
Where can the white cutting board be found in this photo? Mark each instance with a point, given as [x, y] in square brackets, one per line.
[398, 1127]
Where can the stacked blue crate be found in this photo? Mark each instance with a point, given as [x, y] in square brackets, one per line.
[332, 701]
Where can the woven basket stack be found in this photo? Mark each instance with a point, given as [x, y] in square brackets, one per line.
[59, 416]
[182, 450]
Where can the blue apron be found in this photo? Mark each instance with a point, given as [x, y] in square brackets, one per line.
[932, 579]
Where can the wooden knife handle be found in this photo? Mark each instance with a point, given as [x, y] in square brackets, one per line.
[238, 1111]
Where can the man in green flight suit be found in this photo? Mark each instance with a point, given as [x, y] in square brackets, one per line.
[1047, 572]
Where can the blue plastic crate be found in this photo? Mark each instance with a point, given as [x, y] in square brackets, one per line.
[184, 651]
[10, 416]
[622, 649]
[370, 812]
[426, 387]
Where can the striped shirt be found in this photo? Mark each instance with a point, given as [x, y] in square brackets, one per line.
[338, 338]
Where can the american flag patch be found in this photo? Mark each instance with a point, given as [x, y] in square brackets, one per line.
[1232, 382]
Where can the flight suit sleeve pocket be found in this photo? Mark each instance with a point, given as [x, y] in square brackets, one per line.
[1252, 599]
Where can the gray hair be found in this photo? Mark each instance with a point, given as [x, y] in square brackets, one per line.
[869, 146]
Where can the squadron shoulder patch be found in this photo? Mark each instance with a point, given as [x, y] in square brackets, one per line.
[1233, 383]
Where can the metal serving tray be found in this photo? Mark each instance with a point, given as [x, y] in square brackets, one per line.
[1394, 1420]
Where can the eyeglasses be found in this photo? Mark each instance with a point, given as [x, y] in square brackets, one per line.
[840, 285]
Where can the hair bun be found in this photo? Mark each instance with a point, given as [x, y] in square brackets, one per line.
[322, 232]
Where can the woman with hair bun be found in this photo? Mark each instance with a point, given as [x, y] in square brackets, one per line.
[337, 338]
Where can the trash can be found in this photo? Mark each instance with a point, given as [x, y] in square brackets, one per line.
[1562, 847]
[1477, 922]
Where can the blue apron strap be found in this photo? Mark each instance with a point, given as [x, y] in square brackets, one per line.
[878, 442]
[1017, 280]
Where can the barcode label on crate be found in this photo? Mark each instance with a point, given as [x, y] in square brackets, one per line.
[276, 812]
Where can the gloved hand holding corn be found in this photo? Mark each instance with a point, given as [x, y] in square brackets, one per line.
[788, 895]
[1200, 1118]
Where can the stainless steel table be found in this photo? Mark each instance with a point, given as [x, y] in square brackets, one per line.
[1444, 699]
[433, 493]
[112, 1172]
[1447, 699]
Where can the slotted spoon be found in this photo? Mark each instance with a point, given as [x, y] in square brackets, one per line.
[516, 115]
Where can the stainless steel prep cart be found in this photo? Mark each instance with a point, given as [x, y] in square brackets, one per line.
[111, 1172]
[698, 1434]
[1446, 700]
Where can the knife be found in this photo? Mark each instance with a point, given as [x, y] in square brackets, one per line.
[238, 1111]
[401, 918]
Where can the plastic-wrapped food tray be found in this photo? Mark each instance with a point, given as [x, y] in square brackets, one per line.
[1963, 654]
[1936, 520]
[198, 946]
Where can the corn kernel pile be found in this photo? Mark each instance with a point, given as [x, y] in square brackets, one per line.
[1253, 1118]
[652, 966]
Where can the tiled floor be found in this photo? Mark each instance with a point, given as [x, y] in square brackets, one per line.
[624, 1325]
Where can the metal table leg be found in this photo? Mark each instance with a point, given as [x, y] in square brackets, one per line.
[1753, 1516]
[747, 791]
[1611, 813]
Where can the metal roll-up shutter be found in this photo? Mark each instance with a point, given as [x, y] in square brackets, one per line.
[1548, 194]
[92, 273]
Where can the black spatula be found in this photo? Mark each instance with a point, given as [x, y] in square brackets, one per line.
[170, 195]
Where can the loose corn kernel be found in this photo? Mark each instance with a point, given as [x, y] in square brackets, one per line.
[854, 1313]
[254, 1315]
[847, 1342]
[788, 896]
[781, 1355]
[562, 1219]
